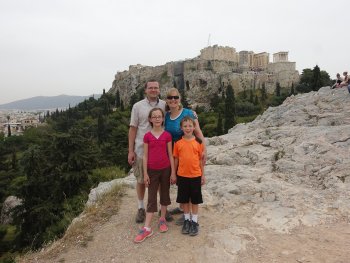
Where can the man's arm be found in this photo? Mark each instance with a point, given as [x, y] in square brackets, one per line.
[131, 138]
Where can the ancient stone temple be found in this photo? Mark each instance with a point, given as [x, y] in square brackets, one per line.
[213, 69]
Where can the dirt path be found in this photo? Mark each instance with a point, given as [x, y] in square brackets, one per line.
[239, 241]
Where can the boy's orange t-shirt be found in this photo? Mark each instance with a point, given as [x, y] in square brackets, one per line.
[189, 153]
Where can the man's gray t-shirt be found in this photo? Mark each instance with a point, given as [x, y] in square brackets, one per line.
[139, 119]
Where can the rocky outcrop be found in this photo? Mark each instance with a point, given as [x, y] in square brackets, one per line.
[104, 187]
[205, 75]
[9, 204]
[291, 164]
[276, 188]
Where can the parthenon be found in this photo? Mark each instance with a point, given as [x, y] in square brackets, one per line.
[246, 60]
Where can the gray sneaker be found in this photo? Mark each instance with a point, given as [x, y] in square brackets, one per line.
[194, 228]
[186, 227]
[140, 216]
[180, 221]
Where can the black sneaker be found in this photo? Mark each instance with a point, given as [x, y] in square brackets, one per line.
[168, 216]
[176, 211]
[180, 221]
[140, 216]
[186, 227]
[194, 229]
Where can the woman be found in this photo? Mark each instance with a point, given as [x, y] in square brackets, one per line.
[338, 81]
[175, 113]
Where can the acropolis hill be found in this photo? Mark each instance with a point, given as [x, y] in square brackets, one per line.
[214, 69]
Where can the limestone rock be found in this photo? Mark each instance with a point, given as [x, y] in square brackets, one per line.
[105, 187]
[6, 212]
[206, 75]
[291, 163]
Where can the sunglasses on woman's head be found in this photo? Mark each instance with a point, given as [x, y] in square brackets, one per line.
[173, 97]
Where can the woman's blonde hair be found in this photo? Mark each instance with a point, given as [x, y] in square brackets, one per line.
[168, 93]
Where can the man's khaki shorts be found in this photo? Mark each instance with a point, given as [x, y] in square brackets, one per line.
[138, 170]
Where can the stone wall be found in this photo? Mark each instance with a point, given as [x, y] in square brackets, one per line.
[281, 66]
[219, 53]
[260, 60]
[280, 56]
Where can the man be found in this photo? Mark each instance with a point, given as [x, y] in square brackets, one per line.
[139, 125]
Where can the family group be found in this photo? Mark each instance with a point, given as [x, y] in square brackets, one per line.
[166, 146]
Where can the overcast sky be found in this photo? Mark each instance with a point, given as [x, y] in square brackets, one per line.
[75, 47]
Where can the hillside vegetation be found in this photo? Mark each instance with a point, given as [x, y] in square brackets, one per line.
[53, 167]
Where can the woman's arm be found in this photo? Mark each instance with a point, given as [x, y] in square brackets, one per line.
[199, 134]
[172, 165]
[203, 180]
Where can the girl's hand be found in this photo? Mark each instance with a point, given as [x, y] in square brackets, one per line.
[146, 180]
[203, 180]
[173, 179]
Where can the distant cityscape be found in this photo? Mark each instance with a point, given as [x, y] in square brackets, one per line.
[17, 116]
[20, 120]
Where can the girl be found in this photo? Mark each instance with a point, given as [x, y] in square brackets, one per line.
[188, 162]
[158, 166]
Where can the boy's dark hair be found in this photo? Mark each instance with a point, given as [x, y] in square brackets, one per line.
[187, 118]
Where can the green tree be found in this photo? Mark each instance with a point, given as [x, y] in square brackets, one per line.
[101, 129]
[117, 100]
[292, 92]
[316, 78]
[214, 102]
[306, 76]
[122, 105]
[313, 80]
[140, 94]
[219, 128]
[14, 160]
[325, 79]
[278, 89]
[183, 98]
[244, 94]
[256, 100]
[8, 127]
[263, 93]
[230, 114]
[251, 96]
[133, 100]
[37, 212]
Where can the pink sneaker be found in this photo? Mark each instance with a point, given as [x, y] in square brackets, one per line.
[162, 225]
[143, 234]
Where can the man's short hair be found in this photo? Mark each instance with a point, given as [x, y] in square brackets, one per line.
[150, 80]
